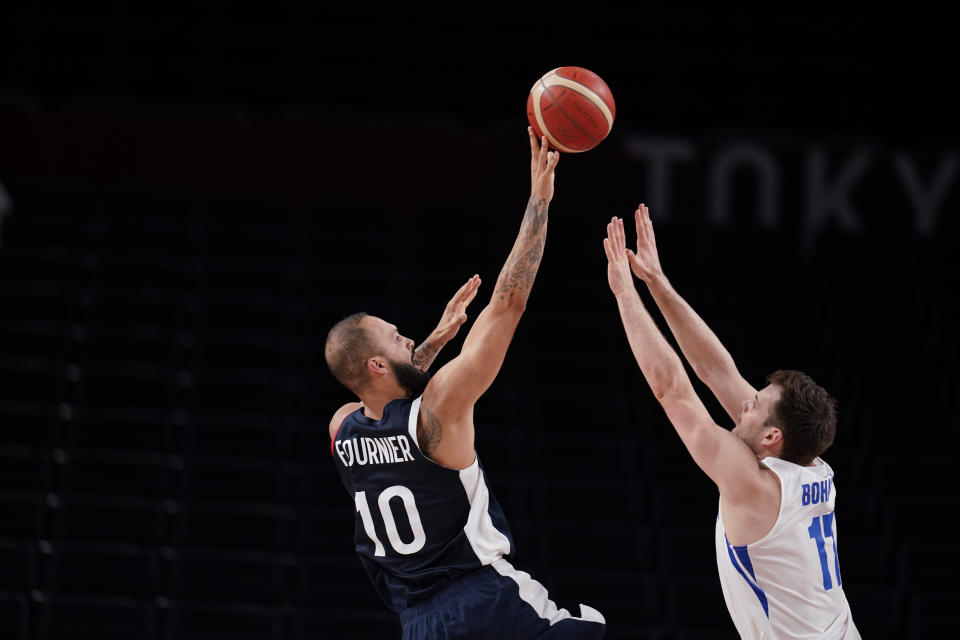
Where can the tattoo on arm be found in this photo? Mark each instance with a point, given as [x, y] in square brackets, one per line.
[424, 355]
[516, 277]
[429, 431]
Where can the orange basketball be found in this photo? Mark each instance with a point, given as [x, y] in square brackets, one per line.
[573, 107]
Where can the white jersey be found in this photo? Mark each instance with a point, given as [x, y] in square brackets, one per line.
[787, 584]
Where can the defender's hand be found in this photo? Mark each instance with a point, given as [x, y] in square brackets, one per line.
[542, 164]
[618, 265]
[645, 262]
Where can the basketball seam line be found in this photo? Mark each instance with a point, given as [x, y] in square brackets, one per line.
[572, 121]
[541, 123]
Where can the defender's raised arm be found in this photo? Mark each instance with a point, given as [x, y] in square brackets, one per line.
[720, 454]
[710, 360]
[775, 583]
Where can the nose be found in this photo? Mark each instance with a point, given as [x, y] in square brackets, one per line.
[410, 343]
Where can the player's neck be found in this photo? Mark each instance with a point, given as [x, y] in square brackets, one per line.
[770, 452]
[376, 399]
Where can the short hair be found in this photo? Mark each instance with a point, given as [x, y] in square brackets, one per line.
[347, 348]
[806, 415]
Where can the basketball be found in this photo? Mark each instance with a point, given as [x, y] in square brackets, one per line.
[573, 107]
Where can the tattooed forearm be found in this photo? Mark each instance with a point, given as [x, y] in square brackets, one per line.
[424, 355]
[429, 431]
[516, 277]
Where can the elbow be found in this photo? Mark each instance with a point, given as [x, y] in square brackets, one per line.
[517, 305]
[707, 374]
[712, 372]
[509, 303]
[666, 389]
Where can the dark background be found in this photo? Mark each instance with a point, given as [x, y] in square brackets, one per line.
[197, 198]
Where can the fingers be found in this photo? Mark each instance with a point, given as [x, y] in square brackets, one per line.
[644, 225]
[647, 223]
[463, 289]
[607, 250]
[615, 242]
[616, 233]
[534, 146]
[553, 157]
[610, 248]
[466, 293]
[471, 292]
[544, 151]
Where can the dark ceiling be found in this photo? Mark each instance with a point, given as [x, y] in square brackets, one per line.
[799, 70]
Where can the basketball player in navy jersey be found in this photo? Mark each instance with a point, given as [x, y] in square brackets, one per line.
[776, 535]
[429, 533]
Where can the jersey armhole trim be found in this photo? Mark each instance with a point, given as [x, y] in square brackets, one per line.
[776, 523]
[412, 430]
[783, 500]
[335, 433]
[412, 421]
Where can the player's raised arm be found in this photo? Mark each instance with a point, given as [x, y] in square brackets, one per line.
[710, 360]
[446, 414]
[719, 453]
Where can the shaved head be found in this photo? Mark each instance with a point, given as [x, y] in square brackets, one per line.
[348, 347]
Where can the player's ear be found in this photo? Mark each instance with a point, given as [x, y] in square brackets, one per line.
[772, 436]
[377, 366]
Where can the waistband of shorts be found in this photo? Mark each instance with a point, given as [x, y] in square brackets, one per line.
[450, 592]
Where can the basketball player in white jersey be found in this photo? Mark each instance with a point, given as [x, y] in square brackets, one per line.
[776, 535]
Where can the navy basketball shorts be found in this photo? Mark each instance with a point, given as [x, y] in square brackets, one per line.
[498, 602]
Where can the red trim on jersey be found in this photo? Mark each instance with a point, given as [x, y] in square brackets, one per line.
[334, 438]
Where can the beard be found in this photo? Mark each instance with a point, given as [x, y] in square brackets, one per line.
[413, 380]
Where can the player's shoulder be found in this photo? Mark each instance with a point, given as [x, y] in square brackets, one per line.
[757, 486]
[340, 414]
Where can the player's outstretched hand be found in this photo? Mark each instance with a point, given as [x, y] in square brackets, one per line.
[618, 264]
[456, 312]
[542, 163]
[645, 262]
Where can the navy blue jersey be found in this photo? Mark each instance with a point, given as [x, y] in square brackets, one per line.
[419, 525]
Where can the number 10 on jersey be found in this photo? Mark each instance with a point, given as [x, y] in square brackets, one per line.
[383, 502]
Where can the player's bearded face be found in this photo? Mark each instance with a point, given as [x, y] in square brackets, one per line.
[410, 378]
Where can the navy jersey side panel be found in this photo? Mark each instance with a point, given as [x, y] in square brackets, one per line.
[419, 526]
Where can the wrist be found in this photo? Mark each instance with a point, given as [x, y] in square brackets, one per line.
[435, 339]
[538, 198]
[658, 281]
